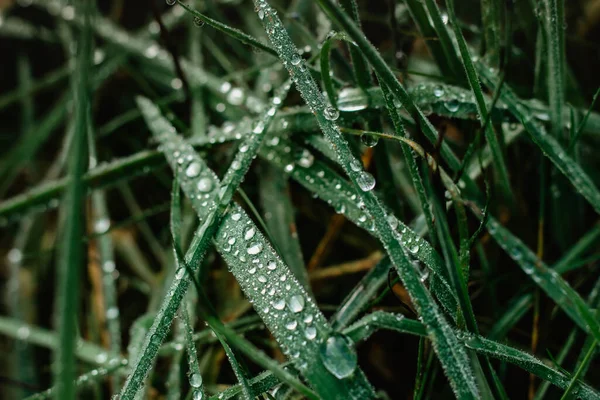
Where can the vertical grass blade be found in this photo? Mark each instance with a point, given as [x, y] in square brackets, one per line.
[553, 23]
[71, 255]
[451, 355]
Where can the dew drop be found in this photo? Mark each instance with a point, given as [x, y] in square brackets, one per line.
[331, 113]
[262, 279]
[252, 270]
[271, 265]
[205, 185]
[338, 356]
[195, 380]
[279, 304]
[236, 96]
[112, 313]
[365, 181]
[296, 303]
[101, 225]
[171, 2]
[438, 91]
[369, 140]
[254, 248]
[236, 216]
[452, 105]
[291, 325]
[193, 170]
[310, 332]
[355, 165]
[249, 233]
[198, 22]
[307, 159]
[414, 249]
[296, 59]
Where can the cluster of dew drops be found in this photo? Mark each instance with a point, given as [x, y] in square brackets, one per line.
[281, 300]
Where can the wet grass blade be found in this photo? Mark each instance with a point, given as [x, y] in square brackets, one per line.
[279, 219]
[288, 311]
[482, 110]
[547, 279]
[549, 145]
[452, 356]
[553, 23]
[365, 327]
[71, 255]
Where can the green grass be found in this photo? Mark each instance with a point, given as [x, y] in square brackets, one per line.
[285, 200]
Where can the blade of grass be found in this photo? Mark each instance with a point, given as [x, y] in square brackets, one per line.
[363, 328]
[71, 252]
[453, 358]
[547, 279]
[549, 145]
[279, 218]
[473, 79]
[237, 231]
[553, 23]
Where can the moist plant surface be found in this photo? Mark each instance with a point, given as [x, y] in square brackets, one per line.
[236, 199]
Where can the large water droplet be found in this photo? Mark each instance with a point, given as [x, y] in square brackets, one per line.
[262, 279]
[254, 248]
[338, 356]
[392, 221]
[291, 325]
[101, 225]
[306, 159]
[355, 165]
[438, 91]
[452, 105]
[249, 233]
[331, 113]
[235, 96]
[193, 170]
[296, 303]
[171, 2]
[198, 22]
[310, 332]
[278, 304]
[195, 380]
[271, 265]
[205, 185]
[365, 181]
[369, 140]
[296, 59]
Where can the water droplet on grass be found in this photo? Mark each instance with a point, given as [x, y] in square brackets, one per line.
[249, 233]
[279, 304]
[296, 59]
[331, 113]
[254, 248]
[291, 325]
[195, 380]
[452, 106]
[193, 170]
[338, 356]
[296, 303]
[369, 140]
[205, 185]
[198, 22]
[365, 181]
[438, 91]
[310, 332]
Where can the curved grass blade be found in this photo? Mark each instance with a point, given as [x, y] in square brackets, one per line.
[71, 254]
[473, 79]
[547, 279]
[233, 32]
[449, 66]
[239, 242]
[88, 379]
[548, 144]
[363, 328]
[361, 295]
[452, 356]
[325, 65]
[361, 68]
[320, 179]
